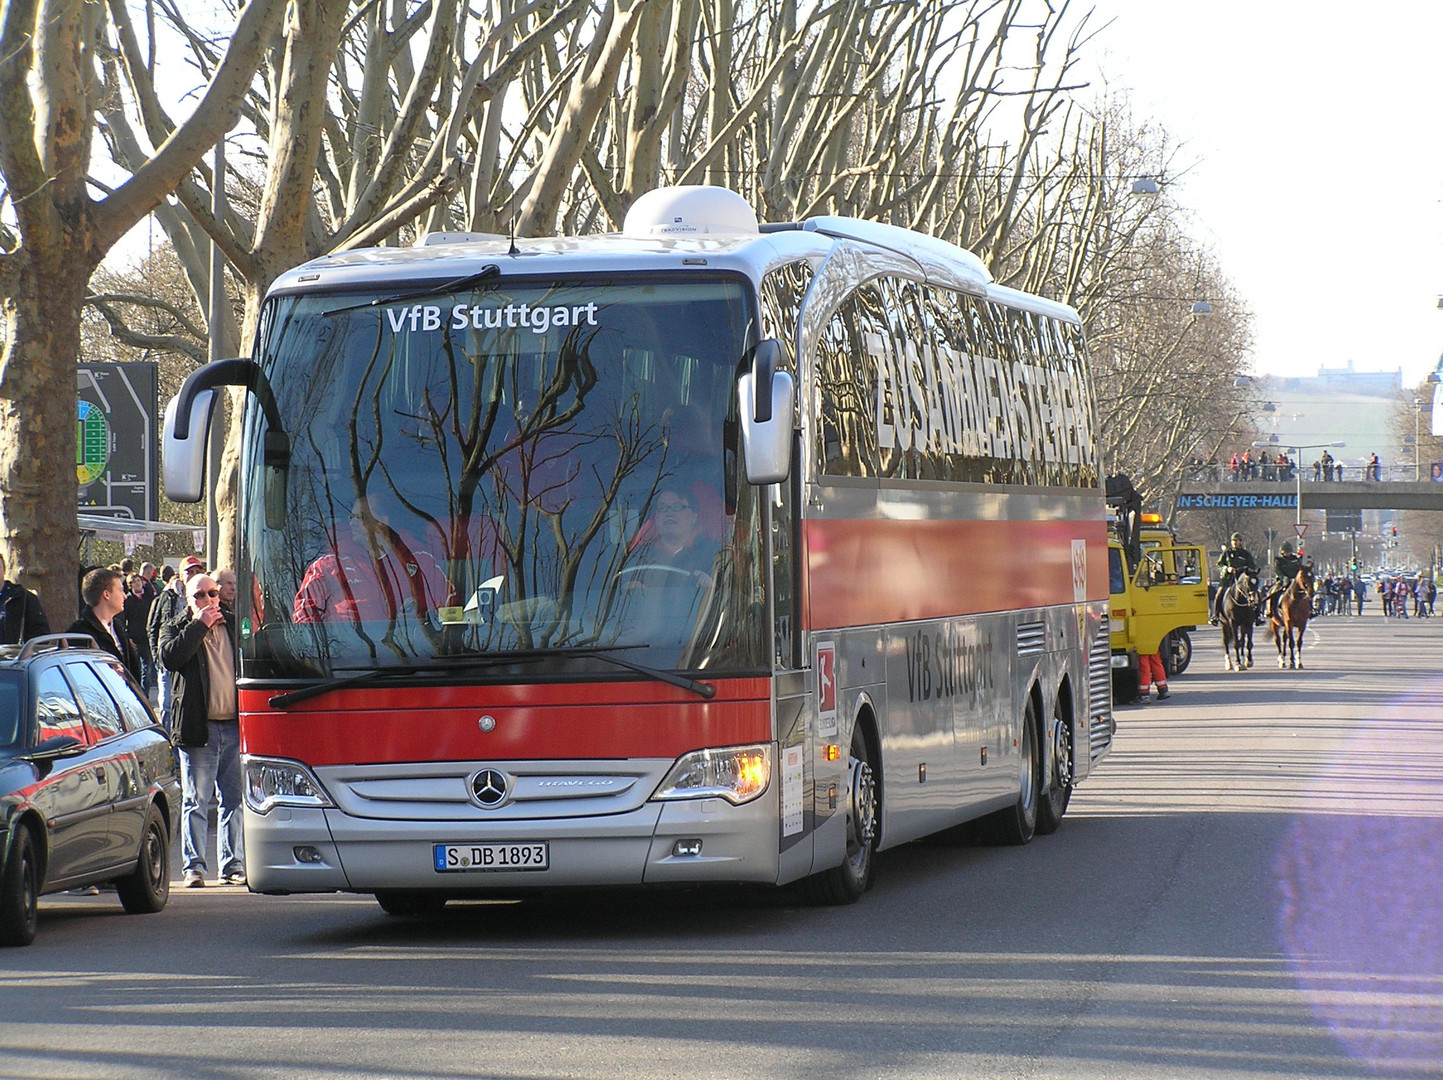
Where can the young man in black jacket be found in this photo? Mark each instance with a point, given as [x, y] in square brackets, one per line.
[21, 616]
[103, 591]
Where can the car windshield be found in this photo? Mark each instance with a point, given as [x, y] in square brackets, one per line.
[503, 468]
[12, 697]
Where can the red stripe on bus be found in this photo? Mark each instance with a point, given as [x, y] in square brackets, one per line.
[588, 721]
[861, 573]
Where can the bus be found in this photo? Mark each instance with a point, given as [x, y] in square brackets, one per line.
[708, 551]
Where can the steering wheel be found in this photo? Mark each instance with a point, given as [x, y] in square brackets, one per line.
[642, 568]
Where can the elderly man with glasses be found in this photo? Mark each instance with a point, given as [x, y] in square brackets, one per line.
[198, 646]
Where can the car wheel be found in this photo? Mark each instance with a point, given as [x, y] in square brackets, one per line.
[145, 889]
[20, 891]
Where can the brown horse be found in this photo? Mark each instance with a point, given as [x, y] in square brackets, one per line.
[1289, 624]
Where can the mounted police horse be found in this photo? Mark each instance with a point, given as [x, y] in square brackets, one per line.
[1239, 612]
[1295, 606]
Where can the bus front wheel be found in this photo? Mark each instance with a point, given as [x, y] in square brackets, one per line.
[846, 883]
[411, 902]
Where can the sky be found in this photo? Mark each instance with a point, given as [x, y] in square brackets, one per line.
[1316, 130]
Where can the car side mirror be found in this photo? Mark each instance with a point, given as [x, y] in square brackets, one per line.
[57, 746]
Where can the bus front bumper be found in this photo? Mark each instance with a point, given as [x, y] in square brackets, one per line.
[296, 850]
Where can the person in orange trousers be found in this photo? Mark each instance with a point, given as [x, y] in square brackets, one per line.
[1150, 671]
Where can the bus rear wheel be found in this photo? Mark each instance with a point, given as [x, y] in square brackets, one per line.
[1057, 789]
[1017, 824]
[846, 883]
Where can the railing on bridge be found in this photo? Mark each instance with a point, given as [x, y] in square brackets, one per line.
[1218, 474]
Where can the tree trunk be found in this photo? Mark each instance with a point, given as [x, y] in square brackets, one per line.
[38, 349]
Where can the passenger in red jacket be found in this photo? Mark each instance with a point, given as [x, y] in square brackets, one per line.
[375, 574]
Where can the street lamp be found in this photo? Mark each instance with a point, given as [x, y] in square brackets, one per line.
[1296, 450]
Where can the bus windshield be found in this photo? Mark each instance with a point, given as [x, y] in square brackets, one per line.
[535, 468]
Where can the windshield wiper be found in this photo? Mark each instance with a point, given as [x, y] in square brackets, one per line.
[595, 652]
[325, 686]
[305, 693]
[490, 270]
[671, 678]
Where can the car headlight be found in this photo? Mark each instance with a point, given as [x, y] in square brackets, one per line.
[738, 774]
[272, 782]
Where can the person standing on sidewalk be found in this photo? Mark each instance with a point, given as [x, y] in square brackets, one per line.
[1151, 671]
[104, 594]
[169, 604]
[198, 646]
[21, 616]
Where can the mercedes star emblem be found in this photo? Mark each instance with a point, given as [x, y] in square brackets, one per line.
[489, 787]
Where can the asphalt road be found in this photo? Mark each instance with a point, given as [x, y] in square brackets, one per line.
[1250, 886]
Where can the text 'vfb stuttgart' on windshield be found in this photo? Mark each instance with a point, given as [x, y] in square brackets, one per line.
[537, 318]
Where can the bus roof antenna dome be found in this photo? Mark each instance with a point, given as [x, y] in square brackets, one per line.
[691, 210]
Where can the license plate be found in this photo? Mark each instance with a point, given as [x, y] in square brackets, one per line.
[463, 858]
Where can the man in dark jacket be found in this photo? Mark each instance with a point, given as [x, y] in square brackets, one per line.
[1234, 560]
[21, 616]
[1285, 567]
[103, 591]
[198, 647]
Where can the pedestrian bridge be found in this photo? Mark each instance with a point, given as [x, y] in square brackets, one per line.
[1396, 489]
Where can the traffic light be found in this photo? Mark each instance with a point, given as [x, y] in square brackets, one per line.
[1395, 530]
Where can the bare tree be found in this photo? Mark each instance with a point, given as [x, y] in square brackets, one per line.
[371, 121]
[54, 233]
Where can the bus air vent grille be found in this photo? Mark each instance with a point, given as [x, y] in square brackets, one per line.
[1031, 637]
[1099, 695]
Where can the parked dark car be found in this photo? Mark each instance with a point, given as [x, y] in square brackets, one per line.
[89, 782]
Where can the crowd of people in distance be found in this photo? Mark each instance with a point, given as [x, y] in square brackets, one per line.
[1245, 465]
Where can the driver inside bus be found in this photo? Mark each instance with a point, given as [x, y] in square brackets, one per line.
[374, 573]
[679, 542]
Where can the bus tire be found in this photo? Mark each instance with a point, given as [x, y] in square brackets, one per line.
[1017, 824]
[1057, 785]
[845, 883]
[410, 902]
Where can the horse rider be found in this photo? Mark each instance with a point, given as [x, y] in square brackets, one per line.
[1233, 561]
[1286, 566]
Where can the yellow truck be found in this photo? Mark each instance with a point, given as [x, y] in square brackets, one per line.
[1156, 603]
[1159, 591]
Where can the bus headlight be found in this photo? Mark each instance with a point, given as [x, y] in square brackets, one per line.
[738, 774]
[272, 782]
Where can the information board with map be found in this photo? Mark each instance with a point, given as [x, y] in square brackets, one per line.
[117, 459]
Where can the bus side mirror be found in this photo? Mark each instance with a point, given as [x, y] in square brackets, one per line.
[186, 432]
[183, 448]
[766, 399]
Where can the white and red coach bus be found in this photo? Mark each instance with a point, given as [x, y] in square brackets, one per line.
[702, 552]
